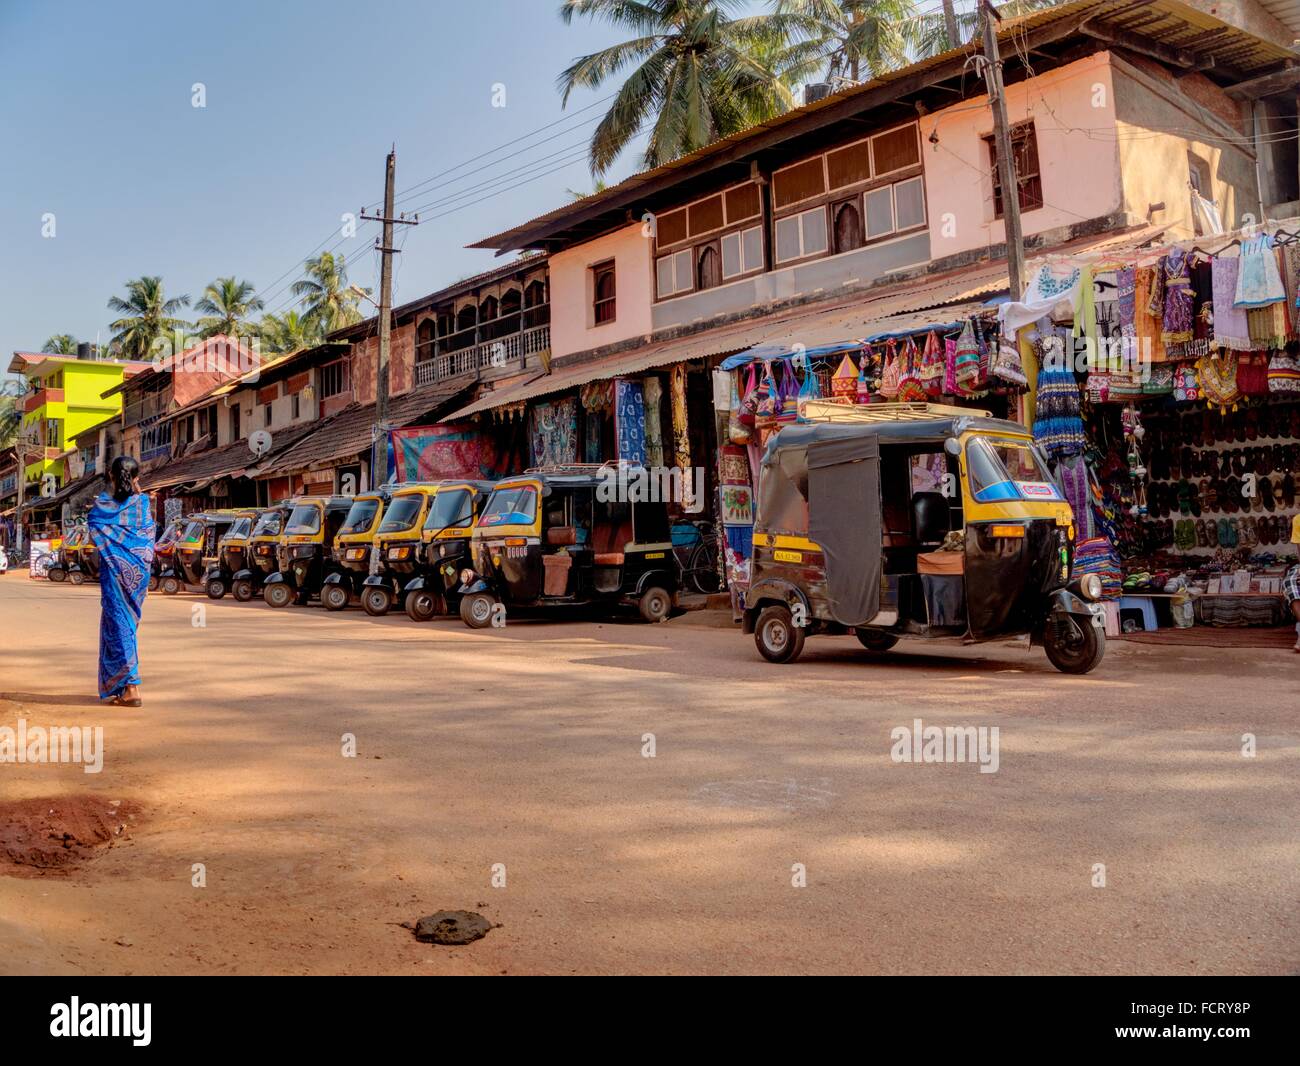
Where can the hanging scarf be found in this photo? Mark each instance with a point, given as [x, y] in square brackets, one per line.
[1146, 324]
[681, 436]
[653, 389]
[1231, 329]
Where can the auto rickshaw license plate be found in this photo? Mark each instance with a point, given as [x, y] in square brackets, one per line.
[787, 556]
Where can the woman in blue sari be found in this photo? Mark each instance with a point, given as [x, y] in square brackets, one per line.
[122, 529]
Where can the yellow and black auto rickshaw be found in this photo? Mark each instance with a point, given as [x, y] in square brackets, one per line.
[260, 552]
[916, 520]
[164, 554]
[396, 546]
[231, 555]
[306, 549]
[443, 550]
[565, 536]
[88, 558]
[352, 548]
[67, 560]
[196, 551]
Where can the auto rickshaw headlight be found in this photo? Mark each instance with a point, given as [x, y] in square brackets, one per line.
[356, 553]
[1090, 587]
[466, 576]
[398, 553]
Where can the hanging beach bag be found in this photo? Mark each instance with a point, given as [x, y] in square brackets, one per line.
[750, 396]
[1283, 373]
[891, 372]
[1187, 385]
[911, 389]
[1219, 381]
[862, 393]
[844, 382]
[932, 366]
[1007, 365]
[788, 390]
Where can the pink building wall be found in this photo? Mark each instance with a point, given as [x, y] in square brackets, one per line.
[572, 325]
[1073, 110]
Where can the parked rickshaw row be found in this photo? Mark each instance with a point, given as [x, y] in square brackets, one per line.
[547, 538]
[879, 522]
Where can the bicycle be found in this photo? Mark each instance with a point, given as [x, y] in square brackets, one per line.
[696, 544]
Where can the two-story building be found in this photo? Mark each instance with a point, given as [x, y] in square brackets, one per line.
[877, 211]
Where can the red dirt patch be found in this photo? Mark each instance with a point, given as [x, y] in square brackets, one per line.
[56, 835]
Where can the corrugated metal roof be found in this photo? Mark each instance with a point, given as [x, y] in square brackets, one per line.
[1161, 22]
[230, 460]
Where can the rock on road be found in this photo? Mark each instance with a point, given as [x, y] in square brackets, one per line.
[519, 754]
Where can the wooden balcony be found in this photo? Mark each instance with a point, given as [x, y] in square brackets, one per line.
[509, 350]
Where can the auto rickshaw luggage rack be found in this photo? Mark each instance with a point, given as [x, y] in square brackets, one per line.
[830, 411]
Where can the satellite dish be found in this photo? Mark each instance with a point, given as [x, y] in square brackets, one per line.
[259, 442]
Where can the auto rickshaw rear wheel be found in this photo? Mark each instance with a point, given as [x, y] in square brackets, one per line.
[874, 640]
[56, 575]
[1074, 647]
[153, 582]
[216, 589]
[278, 595]
[655, 604]
[170, 586]
[335, 597]
[376, 600]
[778, 639]
[242, 590]
[476, 609]
[421, 605]
[77, 577]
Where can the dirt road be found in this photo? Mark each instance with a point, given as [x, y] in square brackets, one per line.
[522, 755]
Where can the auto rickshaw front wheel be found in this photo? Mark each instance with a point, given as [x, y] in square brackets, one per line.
[477, 608]
[376, 600]
[335, 597]
[77, 577]
[216, 589]
[875, 640]
[655, 604]
[778, 639]
[278, 594]
[56, 575]
[242, 590]
[170, 586]
[421, 605]
[1074, 647]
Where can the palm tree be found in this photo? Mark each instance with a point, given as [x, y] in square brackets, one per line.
[694, 78]
[928, 34]
[226, 303]
[60, 344]
[289, 332]
[10, 418]
[325, 294]
[860, 39]
[146, 316]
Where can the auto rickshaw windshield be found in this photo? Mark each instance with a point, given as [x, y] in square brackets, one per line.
[239, 528]
[451, 508]
[193, 531]
[359, 517]
[268, 525]
[1004, 461]
[401, 514]
[304, 518]
[511, 507]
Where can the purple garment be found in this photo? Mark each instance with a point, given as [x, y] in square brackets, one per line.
[1178, 299]
[1231, 329]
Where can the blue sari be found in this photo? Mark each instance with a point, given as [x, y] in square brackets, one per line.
[123, 532]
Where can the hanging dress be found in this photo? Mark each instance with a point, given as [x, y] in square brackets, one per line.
[1177, 284]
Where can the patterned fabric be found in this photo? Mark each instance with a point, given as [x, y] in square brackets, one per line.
[554, 437]
[1146, 323]
[653, 389]
[1218, 379]
[966, 359]
[1291, 585]
[1187, 383]
[1258, 279]
[1283, 373]
[1108, 351]
[1127, 279]
[681, 438]
[1072, 473]
[123, 533]
[1202, 275]
[1058, 427]
[1177, 316]
[1231, 329]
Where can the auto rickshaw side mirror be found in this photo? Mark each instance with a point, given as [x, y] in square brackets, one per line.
[952, 446]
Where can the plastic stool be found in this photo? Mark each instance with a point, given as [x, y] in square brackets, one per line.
[1144, 605]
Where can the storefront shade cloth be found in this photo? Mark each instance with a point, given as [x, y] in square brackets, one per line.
[844, 518]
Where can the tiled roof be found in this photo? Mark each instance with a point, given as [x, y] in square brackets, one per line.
[229, 460]
[348, 432]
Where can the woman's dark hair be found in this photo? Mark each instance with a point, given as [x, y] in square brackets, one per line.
[122, 472]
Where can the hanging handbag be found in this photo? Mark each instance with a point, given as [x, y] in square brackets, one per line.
[1187, 384]
[862, 393]
[844, 382]
[891, 372]
[1283, 373]
[932, 366]
[1219, 381]
[911, 389]
[750, 396]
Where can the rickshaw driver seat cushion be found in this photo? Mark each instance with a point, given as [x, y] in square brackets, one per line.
[930, 521]
[607, 543]
[562, 536]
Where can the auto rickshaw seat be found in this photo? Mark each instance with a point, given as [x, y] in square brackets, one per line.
[562, 536]
[608, 541]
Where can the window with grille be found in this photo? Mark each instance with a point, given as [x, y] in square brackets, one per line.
[1024, 150]
[331, 379]
[603, 306]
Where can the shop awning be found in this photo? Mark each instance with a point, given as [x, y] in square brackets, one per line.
[89, 484]
[905, 307]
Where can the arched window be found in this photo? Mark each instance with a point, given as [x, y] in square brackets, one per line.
[603, 306]
[848, 227]
[511, 301]
[708, 268]
[424, 334]
[487, 310]
[534, 293]
[466, 318]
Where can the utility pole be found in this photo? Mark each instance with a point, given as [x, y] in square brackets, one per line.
[379, 436]
[950, 23]
[1006, 155]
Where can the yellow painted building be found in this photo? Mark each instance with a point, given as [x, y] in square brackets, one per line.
[64, 396]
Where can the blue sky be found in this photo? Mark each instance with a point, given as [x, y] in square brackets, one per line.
[302, 102]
